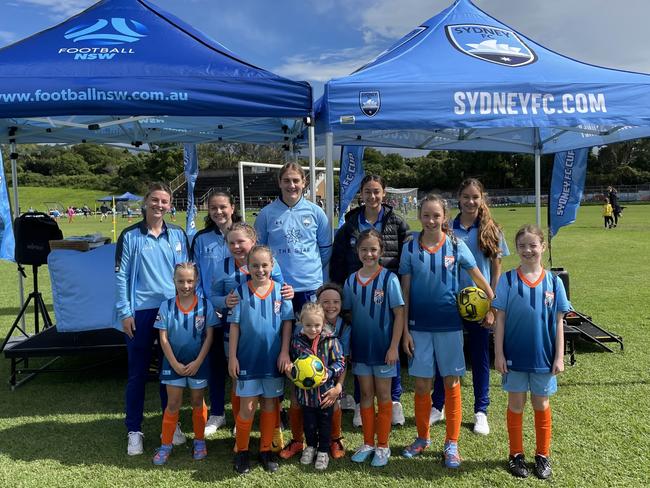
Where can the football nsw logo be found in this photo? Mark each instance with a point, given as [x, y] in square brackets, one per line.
[104, 33]
[370, 102]
[492, 44]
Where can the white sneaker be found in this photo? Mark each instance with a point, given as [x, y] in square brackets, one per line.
[308, 455]
[322, 461]
[481, 424]
[135, 444]
[356, 420]
[347, 402]
[398, 414]
[213, 423]
[436, 415]
[179, 438]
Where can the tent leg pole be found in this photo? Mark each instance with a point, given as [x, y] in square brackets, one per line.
[329, 177]
[538, 180]
[242, 205]
[312, 162]
[14, 187]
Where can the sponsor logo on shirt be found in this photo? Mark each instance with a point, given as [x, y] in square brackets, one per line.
[449, 261]
[378, 297]
[293, 236]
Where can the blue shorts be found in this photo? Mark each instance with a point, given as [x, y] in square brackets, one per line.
[265, 387]
[379, 370]
[442, 348]
[187, 382]
[540, 384]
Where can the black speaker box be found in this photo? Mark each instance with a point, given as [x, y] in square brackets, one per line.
[33, 232]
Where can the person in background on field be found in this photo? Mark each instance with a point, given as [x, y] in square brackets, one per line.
[70, 213]
[104, 211]
[608, 214]
[145, 257]
[300, 236]
[373, 214]
[475, 226]
[186, 326]
[612, 196]
[172, 212]
[86, 211]
[529, 346]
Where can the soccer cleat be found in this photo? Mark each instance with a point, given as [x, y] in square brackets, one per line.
[451, 455]
[398, 414]
[542, 467]
[199, 451]
[269, 461]
[436, 415]
[135, 444]
[362, 454]
[347, 402]
[278, 440]
[517, 466]
[242, 462]
[162, 454]
[213, 424]
[356, 420]
[416, 448]
[179, 438]
[294, 447]
[322, 461]
[381, 456]
[481, 424]
[308, 455]
[337, 450]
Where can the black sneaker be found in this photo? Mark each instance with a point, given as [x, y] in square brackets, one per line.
[542, 467]
[269, 461]
[242, 462]
[517, 466]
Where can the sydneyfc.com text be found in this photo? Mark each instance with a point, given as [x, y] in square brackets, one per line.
[522, 103]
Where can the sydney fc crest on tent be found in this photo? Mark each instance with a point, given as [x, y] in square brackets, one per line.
[489, 43]
[369, 102]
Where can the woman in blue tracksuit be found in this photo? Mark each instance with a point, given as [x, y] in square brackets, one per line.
[145, 257]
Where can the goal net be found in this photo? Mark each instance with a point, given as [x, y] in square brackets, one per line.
[403, 200]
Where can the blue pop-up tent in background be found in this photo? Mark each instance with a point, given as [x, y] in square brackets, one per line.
[465, 81]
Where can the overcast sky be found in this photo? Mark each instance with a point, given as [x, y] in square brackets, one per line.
[316, 40]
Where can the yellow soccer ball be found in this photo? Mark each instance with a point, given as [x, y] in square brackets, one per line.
[473, 304]
[308, 372]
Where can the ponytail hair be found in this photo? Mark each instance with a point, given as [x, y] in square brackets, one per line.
[489, 232]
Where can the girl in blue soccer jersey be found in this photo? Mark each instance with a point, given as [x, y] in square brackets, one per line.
[529, 346]
[433, 336]
[373, 295]
[475, 226]
[209, 248]
[145, 257]
[185, 324]
[259, 325]
[300, 236]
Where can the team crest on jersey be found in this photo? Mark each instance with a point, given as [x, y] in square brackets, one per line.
[158, 317]
[449, 261]
[277, 306]
[179, 248]
[199, 322]
[306, 221]
[549, 297]
[378, 297]
[492, 44]
[278, 222]
[370, 102]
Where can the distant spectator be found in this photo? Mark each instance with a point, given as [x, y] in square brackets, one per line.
[86, 211]
[104, 211]
[70, 214]
[607, 214]
[612, 196]
[172, 211]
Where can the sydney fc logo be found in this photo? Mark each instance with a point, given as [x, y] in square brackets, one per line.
[369, 102]
[108, 33]
[489, 43]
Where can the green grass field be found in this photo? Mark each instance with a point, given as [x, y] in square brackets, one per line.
[62, 430]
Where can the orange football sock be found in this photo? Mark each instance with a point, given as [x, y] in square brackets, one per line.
[243, 433]
[295, 421]
[543, 431]
[169, 422]
[235, 403]
[267, 424]
[368, 425]
[453, 412]
[422, 413]
[199, 418]
[337, 416]
[515, 423]
[384, 414]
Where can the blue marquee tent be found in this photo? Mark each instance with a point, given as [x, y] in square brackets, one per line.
[465, 81]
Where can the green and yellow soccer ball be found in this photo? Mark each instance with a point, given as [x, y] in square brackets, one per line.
[473, 304]
[308, 372]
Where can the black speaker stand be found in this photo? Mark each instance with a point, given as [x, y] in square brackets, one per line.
[40, 311]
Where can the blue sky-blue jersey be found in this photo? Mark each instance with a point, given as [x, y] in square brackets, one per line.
[209, 248]
[470, 237]
[435, 282]
[342, 331]
[372, 305]
[365, 225]
[186, 330]
[260, 330]
[530, 325]
[301, 240]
